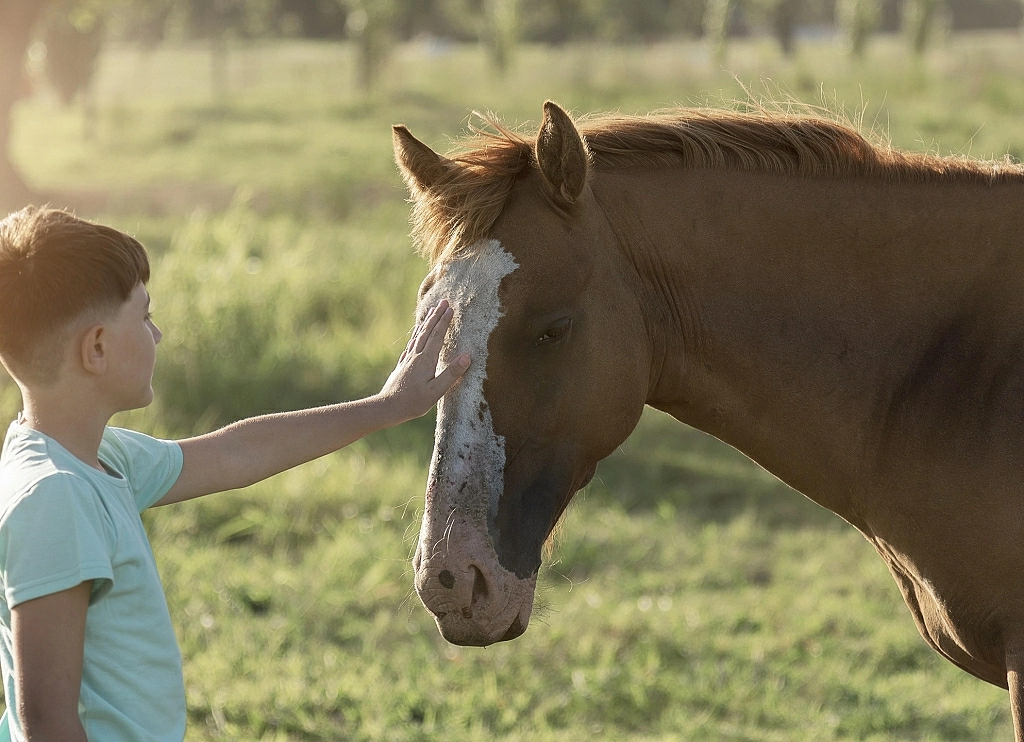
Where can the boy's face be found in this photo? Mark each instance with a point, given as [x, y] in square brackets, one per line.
[131, 339]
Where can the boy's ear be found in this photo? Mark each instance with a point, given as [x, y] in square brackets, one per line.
[92, 350]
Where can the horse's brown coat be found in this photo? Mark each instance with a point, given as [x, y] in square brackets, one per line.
[847, 315]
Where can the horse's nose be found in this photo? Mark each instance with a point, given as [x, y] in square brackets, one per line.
[474, 600]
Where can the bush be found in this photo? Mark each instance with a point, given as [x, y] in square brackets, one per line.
[267, 314]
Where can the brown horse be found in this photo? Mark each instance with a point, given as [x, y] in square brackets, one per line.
[849, 316]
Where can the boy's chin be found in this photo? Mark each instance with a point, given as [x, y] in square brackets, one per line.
[144, 400]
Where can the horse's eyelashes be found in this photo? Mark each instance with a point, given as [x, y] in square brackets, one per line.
[555, 332]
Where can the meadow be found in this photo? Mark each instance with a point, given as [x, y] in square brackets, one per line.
[689, 595]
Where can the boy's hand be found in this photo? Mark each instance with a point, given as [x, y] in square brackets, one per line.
[412, 387]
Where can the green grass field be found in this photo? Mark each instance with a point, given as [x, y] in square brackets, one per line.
[690, 595]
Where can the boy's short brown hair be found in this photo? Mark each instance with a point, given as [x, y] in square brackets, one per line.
[55, 267]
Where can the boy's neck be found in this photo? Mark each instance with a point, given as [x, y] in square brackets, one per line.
[77, 428]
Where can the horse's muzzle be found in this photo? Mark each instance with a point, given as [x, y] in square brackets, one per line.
[474, 600]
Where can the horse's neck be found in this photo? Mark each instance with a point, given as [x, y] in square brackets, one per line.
[792, 314]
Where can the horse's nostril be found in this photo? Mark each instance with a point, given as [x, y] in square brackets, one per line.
[447, 579]
[479, 585]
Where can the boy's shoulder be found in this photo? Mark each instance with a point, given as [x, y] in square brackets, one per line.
[137, 467]
[31, 462]
[27, 457]
[127, 444]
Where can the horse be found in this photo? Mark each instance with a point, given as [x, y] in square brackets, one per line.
[848, 315]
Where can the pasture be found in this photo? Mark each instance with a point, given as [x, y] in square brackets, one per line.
[688, 596]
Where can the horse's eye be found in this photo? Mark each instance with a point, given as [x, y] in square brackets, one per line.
[555, 332]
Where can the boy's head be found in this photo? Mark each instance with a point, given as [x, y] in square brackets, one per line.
[56, 272]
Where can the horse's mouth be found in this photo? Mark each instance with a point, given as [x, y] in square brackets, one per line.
[514, 631]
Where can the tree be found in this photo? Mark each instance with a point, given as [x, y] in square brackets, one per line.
[858, 19]
[370, 24]
[494, 23]
[17, 19]
[499, 31]
[217, 21]
[73, 35]
[716, 26]
[783, 20]
[781, 16]
[919, 21]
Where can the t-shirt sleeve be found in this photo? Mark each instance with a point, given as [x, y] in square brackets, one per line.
[55, 536]
[151, 465]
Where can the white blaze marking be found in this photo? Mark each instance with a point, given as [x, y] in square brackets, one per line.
[469, 458]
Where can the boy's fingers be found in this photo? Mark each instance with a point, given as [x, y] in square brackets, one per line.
[440, 312]
[431, 344]
[417, 331]
[444, 380]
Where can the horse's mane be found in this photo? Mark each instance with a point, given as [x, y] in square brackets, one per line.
[460, 207]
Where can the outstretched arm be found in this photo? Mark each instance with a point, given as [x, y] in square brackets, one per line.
[251, 450]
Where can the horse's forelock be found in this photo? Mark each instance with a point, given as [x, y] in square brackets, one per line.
[458, 210]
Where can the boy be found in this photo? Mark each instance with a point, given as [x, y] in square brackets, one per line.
[86, 643]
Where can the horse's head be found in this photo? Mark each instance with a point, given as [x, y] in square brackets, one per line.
[546, 304]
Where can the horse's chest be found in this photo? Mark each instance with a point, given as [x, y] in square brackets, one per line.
[958, 626]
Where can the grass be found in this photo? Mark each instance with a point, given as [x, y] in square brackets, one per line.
[690, 596]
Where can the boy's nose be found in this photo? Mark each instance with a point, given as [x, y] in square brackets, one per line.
[156, 334]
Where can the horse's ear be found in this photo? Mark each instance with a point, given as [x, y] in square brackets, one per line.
[421, 166]
[562, 155]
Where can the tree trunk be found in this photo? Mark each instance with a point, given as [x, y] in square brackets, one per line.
[919, 20]
[716, 27]
[784, 17]
[17, 18]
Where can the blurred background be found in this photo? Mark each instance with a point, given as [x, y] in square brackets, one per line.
[688, 595]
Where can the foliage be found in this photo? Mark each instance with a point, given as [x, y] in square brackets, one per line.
[979, 14]
[304, 343]
[689, 596]
[558, 21]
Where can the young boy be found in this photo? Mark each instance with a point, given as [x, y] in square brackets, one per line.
[86, 643]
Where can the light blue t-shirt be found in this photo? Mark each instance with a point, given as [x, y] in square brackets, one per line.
[63, 522]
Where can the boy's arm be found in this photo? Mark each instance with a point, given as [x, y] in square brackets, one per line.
[49, 640]
[249, 451]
